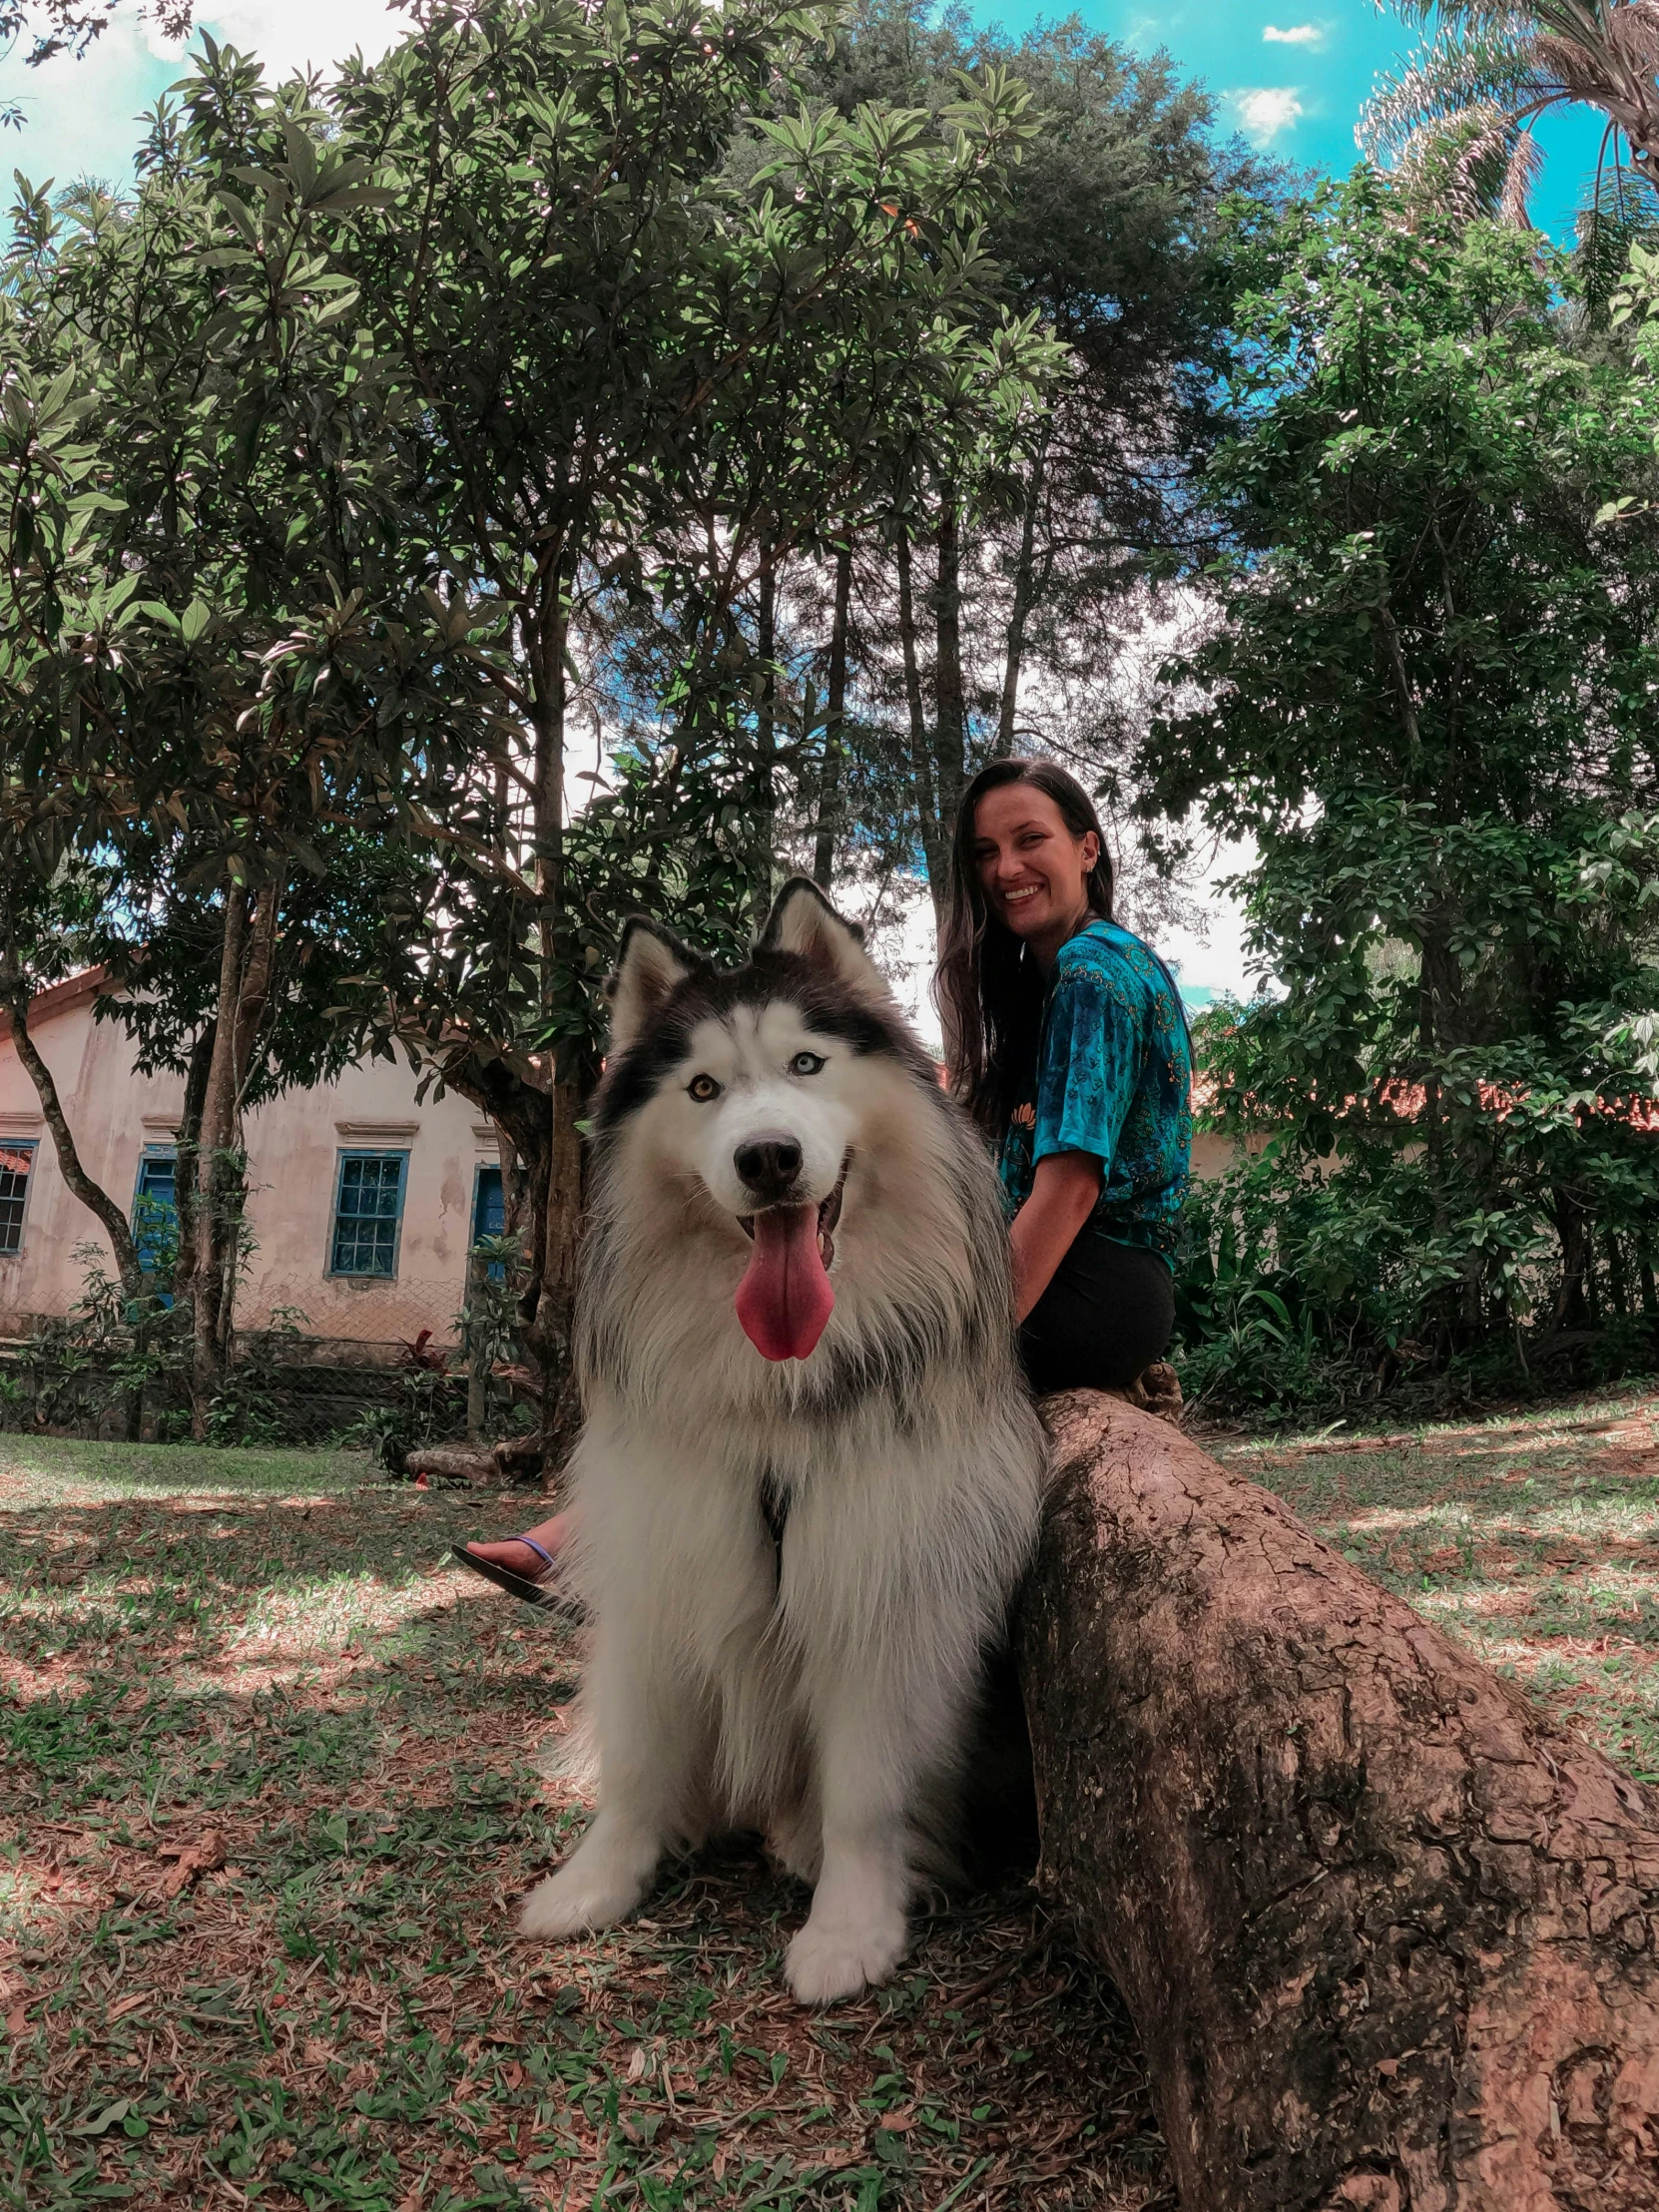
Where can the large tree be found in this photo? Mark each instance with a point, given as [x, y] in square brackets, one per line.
[1427, 697]
[642, 366]
[215, 666]
[503, 375]
[999, 593]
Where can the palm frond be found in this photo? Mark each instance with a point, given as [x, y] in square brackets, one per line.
[1478, 162]
[1614, 71]
[1521, 173]
[1575, 19]
[1454, 74]
[1618, 215]
[1522, 60]
[1448, 11]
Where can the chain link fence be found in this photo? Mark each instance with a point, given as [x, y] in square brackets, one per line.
[381, 1367]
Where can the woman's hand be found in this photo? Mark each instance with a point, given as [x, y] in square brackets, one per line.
[1063, 1192]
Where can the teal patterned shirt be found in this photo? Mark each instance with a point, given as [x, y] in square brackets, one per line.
[1113, 1078]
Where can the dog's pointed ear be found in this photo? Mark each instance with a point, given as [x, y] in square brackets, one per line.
[649, 966]
[803, 922]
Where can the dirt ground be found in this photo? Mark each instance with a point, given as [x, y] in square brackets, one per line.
[275, 1776]
[274, 1773]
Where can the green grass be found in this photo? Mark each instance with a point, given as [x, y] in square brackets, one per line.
[262, 1659]
[1533, 1538]
[44, 1469]
[274, 1776]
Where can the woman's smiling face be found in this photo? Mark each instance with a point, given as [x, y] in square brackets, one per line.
[1033, 871]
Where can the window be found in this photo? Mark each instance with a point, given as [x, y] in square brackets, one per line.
[16, 1163]
[490, 1214]
[368, 1211]
[155, 1207]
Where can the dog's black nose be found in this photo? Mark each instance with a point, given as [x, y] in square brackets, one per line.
[768, 1165]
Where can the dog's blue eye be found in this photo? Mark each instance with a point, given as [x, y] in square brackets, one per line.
[703, 1088]
[807, 1063]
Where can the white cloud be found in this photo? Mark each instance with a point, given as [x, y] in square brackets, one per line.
[1297, 34]
[294, 34]
[1264, 113]
[80, 117]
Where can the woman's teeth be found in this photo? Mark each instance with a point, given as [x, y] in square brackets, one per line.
[1013, 899]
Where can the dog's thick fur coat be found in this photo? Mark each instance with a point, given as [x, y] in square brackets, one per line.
[818, 1688]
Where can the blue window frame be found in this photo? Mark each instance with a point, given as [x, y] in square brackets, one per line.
[368, 1213]
[489, 1213]
[17, 1164]
[489, 1210]
[156, 1204]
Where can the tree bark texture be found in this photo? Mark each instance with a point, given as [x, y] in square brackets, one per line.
[556, 1207]
[935, 844]
[210, 1190]
[91, 1195]
[540, 1128]
[254, 995]
[186, 1179]
[217, 1200]
[950, 687]
[766, 734]
[1023, 599]
[1387, 1932]
[834, 727]
[561, 1243]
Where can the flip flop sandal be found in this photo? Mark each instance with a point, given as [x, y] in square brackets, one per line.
[530, 1592]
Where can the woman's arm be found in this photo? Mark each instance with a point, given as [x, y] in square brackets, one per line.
[1063, 1192]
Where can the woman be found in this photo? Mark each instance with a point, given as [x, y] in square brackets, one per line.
[1066, 1041]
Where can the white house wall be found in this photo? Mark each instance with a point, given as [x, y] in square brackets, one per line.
[294, 1148]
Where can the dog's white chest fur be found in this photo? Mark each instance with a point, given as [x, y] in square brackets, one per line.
[820, 1691]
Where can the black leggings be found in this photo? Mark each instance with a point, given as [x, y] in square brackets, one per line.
[1106, 1316]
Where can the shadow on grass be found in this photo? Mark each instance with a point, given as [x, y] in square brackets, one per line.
[1534, 1540]
[327, 2006]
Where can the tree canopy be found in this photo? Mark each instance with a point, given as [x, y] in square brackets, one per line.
[387, 428]
[597, 460]
[1428, 694]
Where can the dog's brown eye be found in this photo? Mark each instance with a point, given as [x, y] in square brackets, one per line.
[703, 1088]
[807, 1063]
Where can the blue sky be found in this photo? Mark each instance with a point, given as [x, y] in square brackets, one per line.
[1291, 79]
[1294, 79]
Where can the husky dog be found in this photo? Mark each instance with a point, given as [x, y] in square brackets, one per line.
[809, 1472]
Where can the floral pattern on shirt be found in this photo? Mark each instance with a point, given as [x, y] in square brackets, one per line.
[1113, 1078]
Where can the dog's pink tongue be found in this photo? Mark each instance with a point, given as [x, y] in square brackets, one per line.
[784, 1297]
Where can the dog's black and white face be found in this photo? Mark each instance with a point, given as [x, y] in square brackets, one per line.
[762, 1083]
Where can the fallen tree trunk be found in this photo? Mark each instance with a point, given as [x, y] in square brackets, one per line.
[1387, 1932]
[518, 1459]
[475, 1463]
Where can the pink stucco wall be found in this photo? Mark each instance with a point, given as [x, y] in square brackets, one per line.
[293, 1146]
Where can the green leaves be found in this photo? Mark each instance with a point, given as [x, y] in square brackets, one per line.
[1428, 700]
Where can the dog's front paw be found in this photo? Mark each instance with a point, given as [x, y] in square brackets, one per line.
[584, 1893]
[835, 1958]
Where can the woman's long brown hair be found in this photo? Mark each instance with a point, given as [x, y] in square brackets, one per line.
[988, 989]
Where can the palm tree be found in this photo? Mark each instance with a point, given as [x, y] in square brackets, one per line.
[1460, 113]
